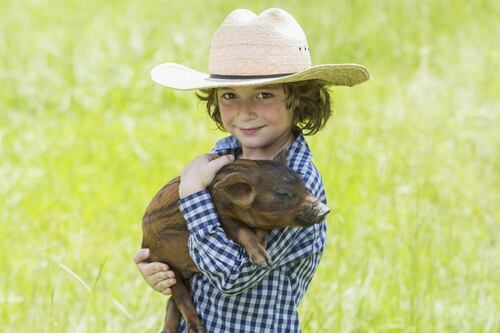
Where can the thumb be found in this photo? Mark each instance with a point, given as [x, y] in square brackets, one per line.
[141, 256]
[220, 162]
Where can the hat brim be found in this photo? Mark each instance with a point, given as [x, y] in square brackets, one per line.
[180, 77]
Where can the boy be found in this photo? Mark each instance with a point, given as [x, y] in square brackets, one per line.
[262, 89]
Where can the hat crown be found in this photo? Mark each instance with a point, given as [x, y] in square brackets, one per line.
[247, 44]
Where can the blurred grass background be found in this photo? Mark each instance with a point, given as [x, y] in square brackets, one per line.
[410, 160]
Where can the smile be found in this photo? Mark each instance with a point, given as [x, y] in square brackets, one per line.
[250, 130]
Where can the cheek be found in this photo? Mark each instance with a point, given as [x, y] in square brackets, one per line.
[277, 115]
[227, 114]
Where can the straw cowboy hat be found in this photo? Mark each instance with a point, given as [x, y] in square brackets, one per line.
[250, 49]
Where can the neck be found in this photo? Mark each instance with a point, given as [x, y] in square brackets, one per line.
[270, 151]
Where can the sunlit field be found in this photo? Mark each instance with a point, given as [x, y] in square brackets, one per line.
[410, 160]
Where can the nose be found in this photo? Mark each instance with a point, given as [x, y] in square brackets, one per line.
[317, 214]
[323, 210]
[314, 213]
[246, 108]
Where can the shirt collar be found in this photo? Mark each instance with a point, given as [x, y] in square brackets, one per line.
[298, 152]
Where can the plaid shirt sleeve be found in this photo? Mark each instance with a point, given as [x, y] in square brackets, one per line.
[226, 263]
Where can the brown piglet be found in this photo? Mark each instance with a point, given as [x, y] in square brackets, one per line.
[251, 197]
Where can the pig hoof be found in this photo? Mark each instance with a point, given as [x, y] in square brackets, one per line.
[264, 264]
[169, 330]
[196, 328]
[269, 262]
[261, 259]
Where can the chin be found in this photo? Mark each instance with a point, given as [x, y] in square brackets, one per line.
[251, 143]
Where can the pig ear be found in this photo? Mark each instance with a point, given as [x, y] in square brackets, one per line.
[281, 157]
[236, 187]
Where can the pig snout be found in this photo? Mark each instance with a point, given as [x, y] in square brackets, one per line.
[313, 211]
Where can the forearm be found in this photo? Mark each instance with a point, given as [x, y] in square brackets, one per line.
[219, 258]
[227, 264]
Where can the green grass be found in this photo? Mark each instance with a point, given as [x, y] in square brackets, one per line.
[410, 160]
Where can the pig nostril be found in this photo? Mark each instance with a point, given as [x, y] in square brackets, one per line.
[313, 214]
[322, 215]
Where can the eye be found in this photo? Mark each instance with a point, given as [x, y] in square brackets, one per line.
[283, 194]
[264, 95]
[228, 95]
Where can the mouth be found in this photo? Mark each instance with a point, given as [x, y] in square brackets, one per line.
[309, 220]
[250, 130]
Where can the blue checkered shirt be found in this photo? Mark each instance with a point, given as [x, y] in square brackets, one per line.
[231, 294]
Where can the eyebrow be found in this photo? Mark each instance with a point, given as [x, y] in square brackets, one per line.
[265, 87]
[270, 86]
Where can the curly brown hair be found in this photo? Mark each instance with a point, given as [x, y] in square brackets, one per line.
[309, 100]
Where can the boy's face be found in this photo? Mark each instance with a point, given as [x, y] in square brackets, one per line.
[256, 116]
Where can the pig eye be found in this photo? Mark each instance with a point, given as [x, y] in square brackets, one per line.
[283, 194]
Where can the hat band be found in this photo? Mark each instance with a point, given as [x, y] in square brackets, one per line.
[247, 77]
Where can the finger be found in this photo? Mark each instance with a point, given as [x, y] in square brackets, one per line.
[211, 157]
[198, 161]
[220, 162]
[204, 158]
[160, 276]
[167, 291]
[149, 269]
[141, 255]
[162, 285]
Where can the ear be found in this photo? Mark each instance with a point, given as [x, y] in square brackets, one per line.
[236, 188]
[281, 157]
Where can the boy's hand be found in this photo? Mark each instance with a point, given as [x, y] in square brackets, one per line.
[156, 274]
[198, 174]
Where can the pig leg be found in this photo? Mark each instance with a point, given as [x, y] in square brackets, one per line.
[246, 237]
[261, 236]
[172, 317]
[184, 303]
